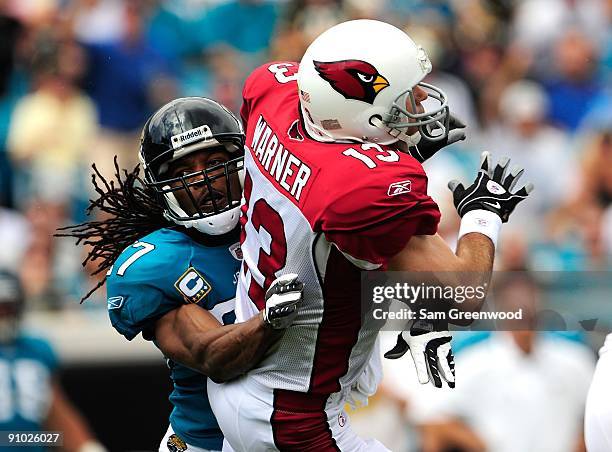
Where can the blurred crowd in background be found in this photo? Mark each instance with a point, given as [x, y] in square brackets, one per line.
[80, 77]
[531, 78]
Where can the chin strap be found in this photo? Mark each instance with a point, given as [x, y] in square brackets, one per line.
[410, 140]
[218, 224]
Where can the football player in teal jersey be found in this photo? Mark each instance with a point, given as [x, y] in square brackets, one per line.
[170, 246]
[31, 397]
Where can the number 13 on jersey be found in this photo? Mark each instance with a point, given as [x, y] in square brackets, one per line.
[269, 227]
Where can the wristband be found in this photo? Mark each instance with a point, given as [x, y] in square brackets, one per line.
[481, 221]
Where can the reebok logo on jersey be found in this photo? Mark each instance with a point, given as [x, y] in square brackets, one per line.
[192, 286]
[114, 302]
[399, 188]
[197, 134]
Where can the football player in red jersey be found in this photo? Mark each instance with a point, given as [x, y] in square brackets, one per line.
[334, 186]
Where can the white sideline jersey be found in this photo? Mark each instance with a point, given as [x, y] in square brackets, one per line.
[598, 412]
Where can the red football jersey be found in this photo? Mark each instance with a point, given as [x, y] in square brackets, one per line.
[325, 211]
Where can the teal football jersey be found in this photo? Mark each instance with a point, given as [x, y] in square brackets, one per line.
[159, 273]
[27, 366]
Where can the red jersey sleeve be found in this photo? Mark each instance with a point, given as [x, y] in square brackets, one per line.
[379, 210]
[263, 80]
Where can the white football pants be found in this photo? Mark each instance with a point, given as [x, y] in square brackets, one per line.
[255, 418]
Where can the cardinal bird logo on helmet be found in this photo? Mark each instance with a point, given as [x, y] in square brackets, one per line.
[354, 79]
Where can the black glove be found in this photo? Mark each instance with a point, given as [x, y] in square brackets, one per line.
[427, 148]
[492, 189]
[431, 351]
[282, 301]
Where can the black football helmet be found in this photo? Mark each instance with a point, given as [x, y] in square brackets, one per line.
[11, 306]
[177, 129]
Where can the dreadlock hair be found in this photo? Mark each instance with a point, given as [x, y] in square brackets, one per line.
[133, 212]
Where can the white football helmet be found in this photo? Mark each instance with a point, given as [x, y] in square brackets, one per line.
[356, 79]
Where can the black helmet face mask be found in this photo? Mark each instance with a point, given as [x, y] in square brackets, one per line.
[200, 194]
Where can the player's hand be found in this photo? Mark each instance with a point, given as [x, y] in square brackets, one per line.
[427, 148]
[282, 301]
[492, 190]
[431, 351]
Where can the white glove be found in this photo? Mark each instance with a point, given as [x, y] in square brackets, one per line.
[282, 301]
[431, 352]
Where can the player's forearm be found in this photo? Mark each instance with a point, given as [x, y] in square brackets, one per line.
[475, 253]
[430, 253]
[472, 269]
[232, 350]
[431, 261]
[193, 337]
[242, 345]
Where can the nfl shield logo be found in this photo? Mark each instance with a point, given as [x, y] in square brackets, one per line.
[236, 251]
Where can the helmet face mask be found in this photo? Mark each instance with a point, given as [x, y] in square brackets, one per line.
[355, 87]
[436, 119]
[203, 196]
[178, 192]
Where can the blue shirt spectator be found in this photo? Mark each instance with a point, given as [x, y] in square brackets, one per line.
[119, 81]
[174, 36]
[570, 101]
[246, 25]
